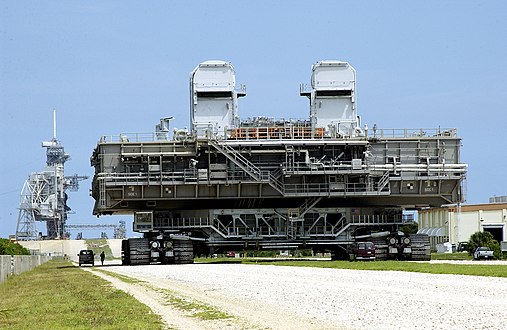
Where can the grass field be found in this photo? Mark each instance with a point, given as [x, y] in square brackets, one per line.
[481, 269]
[58, 295]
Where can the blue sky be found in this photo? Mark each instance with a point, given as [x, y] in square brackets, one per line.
[117, 66]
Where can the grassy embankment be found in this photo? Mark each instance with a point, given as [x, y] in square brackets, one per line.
[479, 269]
[99, 245]
[58, 295]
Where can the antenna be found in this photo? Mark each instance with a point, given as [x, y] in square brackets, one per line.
[54, 124]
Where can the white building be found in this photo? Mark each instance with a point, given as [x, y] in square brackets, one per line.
[454, 224]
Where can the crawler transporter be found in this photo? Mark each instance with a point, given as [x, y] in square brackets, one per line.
[321, 183]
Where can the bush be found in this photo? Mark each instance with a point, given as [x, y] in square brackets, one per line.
[484, 238]
[410, 228]
[497, 252]
[9, 248]
[306, 253]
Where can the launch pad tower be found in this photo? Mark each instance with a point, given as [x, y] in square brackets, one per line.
[44, 197]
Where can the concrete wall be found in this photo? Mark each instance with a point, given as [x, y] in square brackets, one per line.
[5, 267]
[56, 247]
[115, 246]
[15, 265]
[70, 248]
[465, 224]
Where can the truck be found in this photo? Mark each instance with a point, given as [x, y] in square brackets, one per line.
[363, 251]
[483, 252]
[323, 183]
[86, 257]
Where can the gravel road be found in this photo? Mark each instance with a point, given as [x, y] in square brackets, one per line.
[277, 297]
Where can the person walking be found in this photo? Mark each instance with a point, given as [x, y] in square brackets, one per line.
[102, 257]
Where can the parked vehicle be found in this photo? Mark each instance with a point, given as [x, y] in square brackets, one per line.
[483, 252]
[86, 257]
[462, 247]
[364, 251]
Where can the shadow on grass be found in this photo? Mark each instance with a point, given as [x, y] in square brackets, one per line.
[64, 267]
[89, 266]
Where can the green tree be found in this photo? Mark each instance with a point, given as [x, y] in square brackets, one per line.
[410, 228]
[484, 238]
[10, 248]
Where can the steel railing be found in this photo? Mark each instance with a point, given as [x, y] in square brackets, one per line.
[289, 132]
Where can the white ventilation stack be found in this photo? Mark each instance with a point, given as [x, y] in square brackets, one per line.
[214, 98]
[332, 98]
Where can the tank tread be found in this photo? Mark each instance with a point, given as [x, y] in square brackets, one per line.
[380, 248]
[139, 249]
[421, 248]
[420, 239]
[125, 252]
[183, 252]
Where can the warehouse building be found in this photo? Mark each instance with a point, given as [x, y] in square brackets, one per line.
[456, 223]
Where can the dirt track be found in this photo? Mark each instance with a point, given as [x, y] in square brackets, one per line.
[245, 314]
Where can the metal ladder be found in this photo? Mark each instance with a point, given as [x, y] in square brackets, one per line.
[293, 218]
[102, 192]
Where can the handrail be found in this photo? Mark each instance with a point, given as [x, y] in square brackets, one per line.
[289, 131]
[199, 222]
[375, 219]
[411, 132]
[325, 188]
[291, 229]
[265, 176]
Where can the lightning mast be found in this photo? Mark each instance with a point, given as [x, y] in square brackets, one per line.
[44, 197]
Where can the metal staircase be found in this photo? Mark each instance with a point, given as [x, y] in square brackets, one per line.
[247, 166]
[308, 204]
[295, 217]
[383, 182]
[340, 226]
